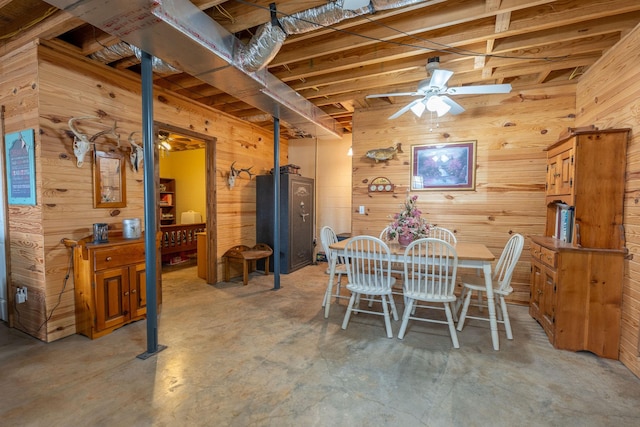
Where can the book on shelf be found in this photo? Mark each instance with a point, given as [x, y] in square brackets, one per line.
[166, 199]
[564, 222]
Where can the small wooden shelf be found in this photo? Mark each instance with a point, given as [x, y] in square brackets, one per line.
[167, 201]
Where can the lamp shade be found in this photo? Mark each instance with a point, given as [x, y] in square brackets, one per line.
[438, 105]
[418, 108]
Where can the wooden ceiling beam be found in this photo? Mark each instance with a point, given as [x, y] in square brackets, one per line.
[433, 17]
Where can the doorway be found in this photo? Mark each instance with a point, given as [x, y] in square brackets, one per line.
[185, 181]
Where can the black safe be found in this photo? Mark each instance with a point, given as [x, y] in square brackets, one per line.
[296, 219]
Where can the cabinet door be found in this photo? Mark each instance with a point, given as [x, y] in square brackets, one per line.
[112, 297]
[560, 174]
[537, 272]
[548, 301]
[138, 295]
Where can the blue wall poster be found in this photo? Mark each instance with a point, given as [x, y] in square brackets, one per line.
[20, 165]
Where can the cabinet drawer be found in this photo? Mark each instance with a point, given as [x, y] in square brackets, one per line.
[544, 255]
[118, 256]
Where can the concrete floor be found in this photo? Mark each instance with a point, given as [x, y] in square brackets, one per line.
[249, 356]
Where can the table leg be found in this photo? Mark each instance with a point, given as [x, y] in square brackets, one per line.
[491, 305]
[332, 272]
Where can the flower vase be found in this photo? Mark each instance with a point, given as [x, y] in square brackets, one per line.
[404, 240]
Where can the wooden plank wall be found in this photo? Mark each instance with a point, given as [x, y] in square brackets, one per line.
[19, 95]
[511, 132]
[615, 103]
[69, 86]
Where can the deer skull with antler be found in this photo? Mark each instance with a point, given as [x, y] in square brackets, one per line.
[82, 143]
[234, 173]
[137, 155]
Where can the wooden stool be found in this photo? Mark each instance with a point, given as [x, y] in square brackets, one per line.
[248, 256]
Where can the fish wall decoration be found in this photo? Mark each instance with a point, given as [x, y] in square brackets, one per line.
[384, 154]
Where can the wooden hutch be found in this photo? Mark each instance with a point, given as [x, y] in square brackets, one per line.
[110, 283]
[577, 272]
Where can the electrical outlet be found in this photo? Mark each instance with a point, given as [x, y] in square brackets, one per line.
[361, 210]
[21, 295]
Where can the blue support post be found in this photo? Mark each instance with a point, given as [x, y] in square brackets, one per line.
[276, 203]
[150, 204]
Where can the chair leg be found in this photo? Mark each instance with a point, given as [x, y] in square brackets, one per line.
[480, 301]
[387, 321]
[245, 272]
[452, 326]
[347, 315]
[465, 307]
[405, 317]
[392, 303]
[460, 300]
[505, 315]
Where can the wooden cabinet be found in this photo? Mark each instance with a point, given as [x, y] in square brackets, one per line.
[110, 285]
[296, 219]
[577, 301]
[576, 286]
[167, 201]
[586, 170]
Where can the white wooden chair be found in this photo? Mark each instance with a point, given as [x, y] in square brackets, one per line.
[501, 279]
[429, 278]
[328, 237]
[443, 234]
[396, 268]
[369, 271]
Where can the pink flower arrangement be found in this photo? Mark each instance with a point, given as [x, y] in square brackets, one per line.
[409, 223]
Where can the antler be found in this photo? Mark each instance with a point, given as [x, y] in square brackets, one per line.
[82, 143]
[110, 131]
[231, 179]
[248, 171]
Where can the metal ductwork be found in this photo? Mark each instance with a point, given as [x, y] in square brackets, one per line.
[123, 50]
[269, 38]
[179, 32]
[182, 35]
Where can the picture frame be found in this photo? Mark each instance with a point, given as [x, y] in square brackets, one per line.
[109, 181]
[445, 166]
[20, 167]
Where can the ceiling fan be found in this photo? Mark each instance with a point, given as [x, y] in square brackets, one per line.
[433, 93]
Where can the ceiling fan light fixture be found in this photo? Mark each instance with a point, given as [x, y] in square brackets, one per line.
[437, 105]
[418, 108]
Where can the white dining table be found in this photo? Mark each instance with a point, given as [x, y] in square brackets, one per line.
[470, 255]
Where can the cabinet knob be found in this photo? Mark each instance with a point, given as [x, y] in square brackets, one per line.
[133, 291]
[126, 294]
[108, 259]
[539, 291]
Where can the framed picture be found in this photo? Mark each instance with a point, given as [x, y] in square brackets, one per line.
[21, 175]
[447, 166]
[109, 183]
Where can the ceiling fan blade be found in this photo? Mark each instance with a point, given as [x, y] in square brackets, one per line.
[404, 109]
[455, 107]
[388, 95]
[480, 89]
[439, 78]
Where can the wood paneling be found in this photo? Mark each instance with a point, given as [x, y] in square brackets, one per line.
[613, 103]
[42, 88]
[511, 132]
